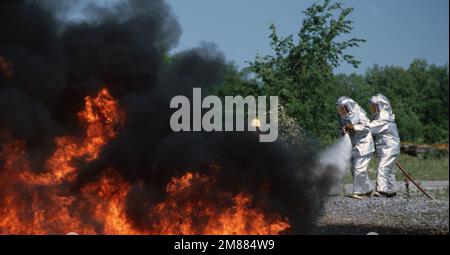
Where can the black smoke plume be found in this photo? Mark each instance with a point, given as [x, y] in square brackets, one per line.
[126, 47]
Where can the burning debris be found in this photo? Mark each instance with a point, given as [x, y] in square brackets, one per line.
[86, 146]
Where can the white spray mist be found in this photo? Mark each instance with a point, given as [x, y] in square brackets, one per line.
[338, 155]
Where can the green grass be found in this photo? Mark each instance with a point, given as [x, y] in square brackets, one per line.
[420, 168]
[440, 194]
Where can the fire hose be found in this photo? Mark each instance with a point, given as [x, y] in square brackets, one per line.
[409, 177]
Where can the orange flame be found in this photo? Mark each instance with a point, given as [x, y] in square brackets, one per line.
[185, 212]
[101, 116]
[42, 203]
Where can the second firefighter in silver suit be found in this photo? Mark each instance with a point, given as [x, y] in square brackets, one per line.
[353, 118]
[387, 142]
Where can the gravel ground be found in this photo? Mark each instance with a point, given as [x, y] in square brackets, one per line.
[399, 215]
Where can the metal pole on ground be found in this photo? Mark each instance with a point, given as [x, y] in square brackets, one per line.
[412, 180]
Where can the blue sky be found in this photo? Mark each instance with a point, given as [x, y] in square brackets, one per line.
[397, 31]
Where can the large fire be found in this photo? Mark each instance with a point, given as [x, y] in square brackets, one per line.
[40, 202]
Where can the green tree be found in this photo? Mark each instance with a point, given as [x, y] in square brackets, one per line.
[431, 104]
[301, 73]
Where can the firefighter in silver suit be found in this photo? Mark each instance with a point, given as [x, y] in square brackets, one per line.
[387, 143]
[354, 120]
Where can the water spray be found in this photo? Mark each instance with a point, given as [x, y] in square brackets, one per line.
[339, 155]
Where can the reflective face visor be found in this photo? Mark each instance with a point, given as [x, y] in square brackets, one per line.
[374, 108]
[343, 111]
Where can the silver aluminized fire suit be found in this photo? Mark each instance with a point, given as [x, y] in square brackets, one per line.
[387, 142]
[362, 141]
